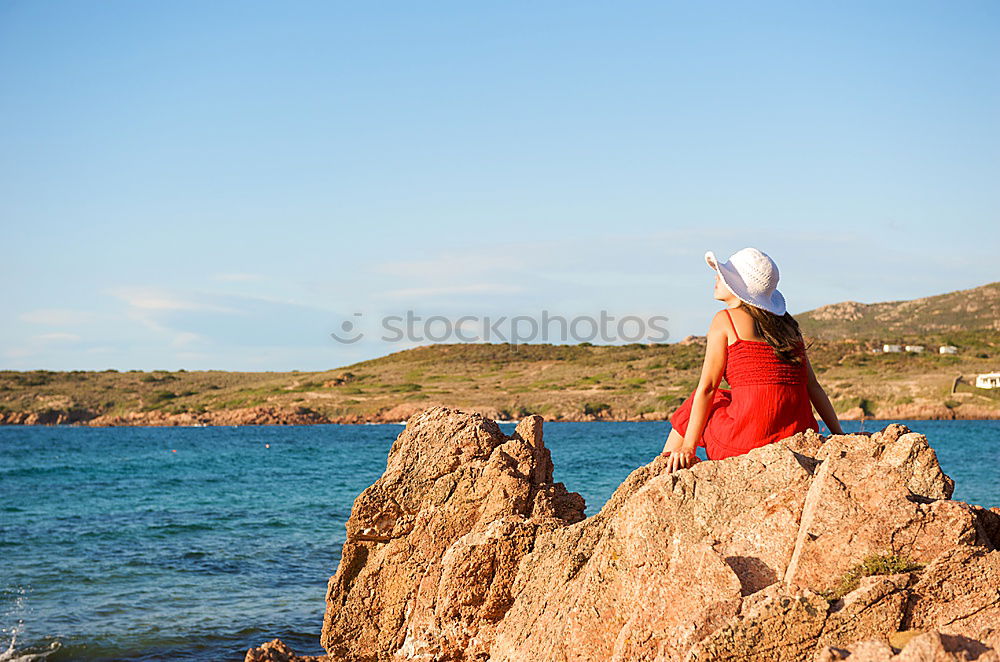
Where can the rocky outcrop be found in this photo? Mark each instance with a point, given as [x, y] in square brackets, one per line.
[47, 417]
[466, 550]
[399, 413]
[260, 415]
[245, 416]
[931, 411]
[433, 547]
[277, 651]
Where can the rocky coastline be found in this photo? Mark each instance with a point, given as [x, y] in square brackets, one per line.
[275, 415]
[847, 547]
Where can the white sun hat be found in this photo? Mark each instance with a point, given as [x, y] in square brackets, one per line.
[752, 276]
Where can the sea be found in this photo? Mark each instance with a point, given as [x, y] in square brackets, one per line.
[196, 543]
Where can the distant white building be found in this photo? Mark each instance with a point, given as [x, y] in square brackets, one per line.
[989, 380]
[947, 349]
[915, 348]
[891, 348]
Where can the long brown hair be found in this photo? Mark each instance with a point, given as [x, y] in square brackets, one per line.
[780, 331]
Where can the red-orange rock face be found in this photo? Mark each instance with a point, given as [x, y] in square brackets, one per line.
[466, 550]
[434, 545]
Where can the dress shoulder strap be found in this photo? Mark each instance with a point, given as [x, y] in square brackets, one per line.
[729, 315]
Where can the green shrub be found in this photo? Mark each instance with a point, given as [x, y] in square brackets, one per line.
[37, 379]
[152, 379]
[874, 564]
[161, 396]
[595, 408]
[403, 388]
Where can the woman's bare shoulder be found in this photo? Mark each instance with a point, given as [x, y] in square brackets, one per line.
[719, 323]
[715, 325]
[718, 317]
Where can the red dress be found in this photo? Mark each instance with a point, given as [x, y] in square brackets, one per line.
[766, 402]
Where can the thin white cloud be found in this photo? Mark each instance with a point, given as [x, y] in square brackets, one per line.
[159, 300]
[193, 356]
[57, 316]
[237, 277]
[176, 338]
[448, 290]
[143, 318]
[58, 336]
[623, 252]
[463, 265]
[185, 338]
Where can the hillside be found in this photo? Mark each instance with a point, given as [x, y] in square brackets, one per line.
[560, 382]
[950, 318]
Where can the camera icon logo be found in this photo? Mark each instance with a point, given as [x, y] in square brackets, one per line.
[347, 327]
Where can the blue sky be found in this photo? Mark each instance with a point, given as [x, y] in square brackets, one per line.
[220, 185]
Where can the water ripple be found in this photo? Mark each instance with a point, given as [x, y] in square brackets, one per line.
[115, 547]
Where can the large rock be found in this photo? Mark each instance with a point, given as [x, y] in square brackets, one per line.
[433, 546]
[959, 594]
[616, 568]
[466, 550]
[884, 494]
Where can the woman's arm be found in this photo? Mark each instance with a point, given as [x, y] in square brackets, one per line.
[704, 394]
[819, 399]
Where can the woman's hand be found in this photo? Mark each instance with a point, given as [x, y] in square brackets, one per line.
[680, 459]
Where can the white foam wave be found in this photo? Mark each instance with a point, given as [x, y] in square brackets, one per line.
[29, 654]
[16, 611]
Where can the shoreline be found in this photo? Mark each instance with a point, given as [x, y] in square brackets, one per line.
[268, 417]
[560, 383]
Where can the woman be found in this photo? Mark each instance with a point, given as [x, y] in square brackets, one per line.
[757, 346]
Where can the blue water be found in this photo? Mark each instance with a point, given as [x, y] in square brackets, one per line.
[197, 543]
